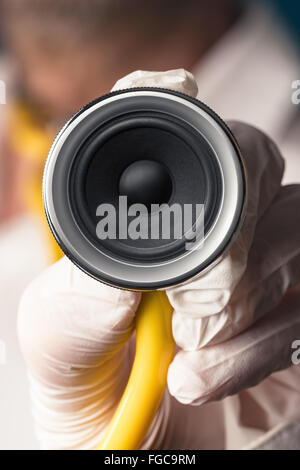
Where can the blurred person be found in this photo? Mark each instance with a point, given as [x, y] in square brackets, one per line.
[77, 50]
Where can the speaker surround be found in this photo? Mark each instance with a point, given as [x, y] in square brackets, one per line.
[154, 146]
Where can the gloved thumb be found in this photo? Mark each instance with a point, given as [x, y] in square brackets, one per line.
[178, 80]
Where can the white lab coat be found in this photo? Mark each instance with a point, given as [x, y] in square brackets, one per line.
[248, 76]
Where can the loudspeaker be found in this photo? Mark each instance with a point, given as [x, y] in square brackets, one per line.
[144, 188]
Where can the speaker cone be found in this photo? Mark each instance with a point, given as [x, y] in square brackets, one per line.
[159, 152]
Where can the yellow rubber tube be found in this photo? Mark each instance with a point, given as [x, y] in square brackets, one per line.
[148, 378]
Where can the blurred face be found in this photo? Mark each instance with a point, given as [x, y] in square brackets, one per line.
[64, 65]
[61, 80]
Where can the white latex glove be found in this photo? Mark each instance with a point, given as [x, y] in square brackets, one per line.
[236, 322]
[72, 328]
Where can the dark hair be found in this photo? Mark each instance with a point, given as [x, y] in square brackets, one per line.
[93, 11]
[83, 19]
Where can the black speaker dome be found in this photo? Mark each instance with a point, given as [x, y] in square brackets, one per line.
[146, 182]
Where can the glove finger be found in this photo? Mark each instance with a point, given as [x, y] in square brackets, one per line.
[177, 80]
[67, 319]
[273, 268]
[263, 161]
[274, 259]
[214, 372]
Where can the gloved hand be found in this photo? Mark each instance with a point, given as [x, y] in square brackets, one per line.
[236, 323]
[73, 329]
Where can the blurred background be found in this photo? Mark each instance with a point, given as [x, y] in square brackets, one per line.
[57, 55]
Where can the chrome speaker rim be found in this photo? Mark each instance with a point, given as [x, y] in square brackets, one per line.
[159, 275]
